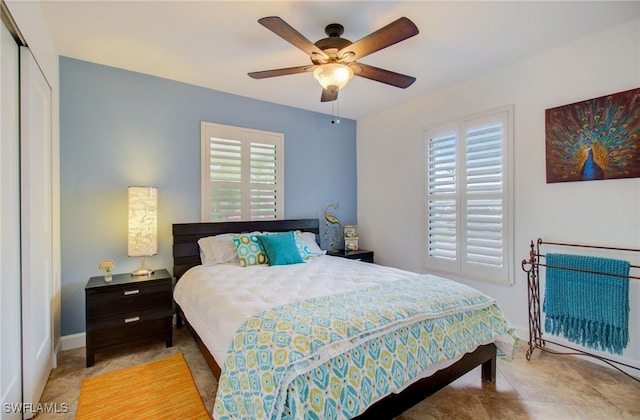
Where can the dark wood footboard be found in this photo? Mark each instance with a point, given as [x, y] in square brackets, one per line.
[395, 404]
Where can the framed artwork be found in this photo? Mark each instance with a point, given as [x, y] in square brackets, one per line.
[594, 139]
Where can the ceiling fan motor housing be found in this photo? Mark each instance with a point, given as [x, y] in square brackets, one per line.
[334, 29]
[331, 46]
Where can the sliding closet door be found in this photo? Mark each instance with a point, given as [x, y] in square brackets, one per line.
[10, 350]
[37, 246]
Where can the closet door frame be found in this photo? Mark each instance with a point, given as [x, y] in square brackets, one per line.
[10, 301]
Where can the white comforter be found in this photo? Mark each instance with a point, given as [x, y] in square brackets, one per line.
[217, 299]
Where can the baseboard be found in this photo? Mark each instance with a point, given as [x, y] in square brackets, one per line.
[522, 333]
[57, 350]
[73, 341]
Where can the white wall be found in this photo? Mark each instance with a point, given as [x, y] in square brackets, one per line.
[33, 26]
[390, 164]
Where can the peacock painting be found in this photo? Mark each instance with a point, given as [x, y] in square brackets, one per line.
[594, 139]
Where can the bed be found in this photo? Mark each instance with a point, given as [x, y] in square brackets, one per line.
[230, 308]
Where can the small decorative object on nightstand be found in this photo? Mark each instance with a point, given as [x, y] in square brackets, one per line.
[351, 231]
[128, 309]
[360, 254]
[351, 244]
[106, 266]
[351, 238]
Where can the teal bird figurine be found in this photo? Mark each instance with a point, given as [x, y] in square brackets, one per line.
[332, 227]
[329, 217]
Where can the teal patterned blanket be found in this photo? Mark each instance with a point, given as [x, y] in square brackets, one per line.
[331, 357]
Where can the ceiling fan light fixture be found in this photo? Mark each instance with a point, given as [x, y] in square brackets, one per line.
[333, 76]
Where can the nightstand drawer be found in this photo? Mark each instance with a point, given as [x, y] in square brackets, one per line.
[129, 298]
[128, 327]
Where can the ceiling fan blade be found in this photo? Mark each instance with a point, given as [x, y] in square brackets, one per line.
[286, 32]
[328, 95]
[396, 31]
[280, 72]
[383, 76]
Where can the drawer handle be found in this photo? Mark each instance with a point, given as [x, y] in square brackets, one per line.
[134, 319]
[131, 292]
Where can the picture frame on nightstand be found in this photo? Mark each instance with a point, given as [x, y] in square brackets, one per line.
[351, 244]
[351, 231]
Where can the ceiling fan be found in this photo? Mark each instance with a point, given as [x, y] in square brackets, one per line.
[334, 58]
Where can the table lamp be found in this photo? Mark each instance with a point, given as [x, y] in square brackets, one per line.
[143, 225]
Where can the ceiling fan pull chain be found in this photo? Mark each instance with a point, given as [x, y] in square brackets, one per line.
[335, 111]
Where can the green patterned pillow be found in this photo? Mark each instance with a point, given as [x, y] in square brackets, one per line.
[302, 247]
[250, 251]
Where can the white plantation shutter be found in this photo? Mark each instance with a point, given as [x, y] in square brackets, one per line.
[264, 181]
[442, 229]
[442, 198]
[469, 199]
[242, 173]
[224, 194]
[486, 197]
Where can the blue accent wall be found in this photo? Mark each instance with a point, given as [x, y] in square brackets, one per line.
[120, 128]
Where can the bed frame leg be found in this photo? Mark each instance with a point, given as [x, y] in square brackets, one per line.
[178, 319]
[489, 369]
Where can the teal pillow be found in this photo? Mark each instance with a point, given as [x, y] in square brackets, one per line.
[281, 248]
[250, 252]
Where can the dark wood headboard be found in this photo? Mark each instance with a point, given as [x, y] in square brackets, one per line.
[186, 253]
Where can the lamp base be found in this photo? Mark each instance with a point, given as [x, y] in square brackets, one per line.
[143, 272]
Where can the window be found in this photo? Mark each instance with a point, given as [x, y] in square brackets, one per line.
[242, 173]
[468, 197]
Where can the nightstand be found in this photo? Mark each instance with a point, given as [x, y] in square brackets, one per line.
[128, 309]
[360, 254]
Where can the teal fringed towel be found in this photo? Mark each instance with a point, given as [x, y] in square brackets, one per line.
[586, 308]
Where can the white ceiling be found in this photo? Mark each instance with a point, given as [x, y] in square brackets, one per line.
[215, 44]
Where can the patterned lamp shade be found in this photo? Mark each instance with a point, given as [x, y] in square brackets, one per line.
[143, 221]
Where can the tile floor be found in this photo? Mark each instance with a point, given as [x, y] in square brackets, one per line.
[547, 387]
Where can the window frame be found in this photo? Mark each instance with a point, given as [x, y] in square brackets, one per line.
[246, 137]
[459, 266]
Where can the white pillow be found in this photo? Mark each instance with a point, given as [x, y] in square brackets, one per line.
[309, 239]
[219, 249]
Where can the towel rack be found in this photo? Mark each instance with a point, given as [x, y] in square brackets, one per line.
[532, 267]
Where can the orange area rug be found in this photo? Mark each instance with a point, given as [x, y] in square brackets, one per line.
[162, 389]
